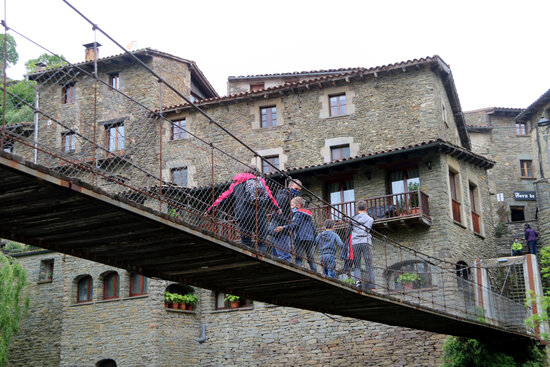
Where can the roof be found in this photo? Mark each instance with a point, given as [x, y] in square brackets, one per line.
[437, 144]
[293, 74]
[532, 109]
[195, 71]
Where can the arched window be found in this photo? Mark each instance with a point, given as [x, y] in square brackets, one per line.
[84, 289]
[106, 363]
[138, 284]
[110, 285]
[407, 275]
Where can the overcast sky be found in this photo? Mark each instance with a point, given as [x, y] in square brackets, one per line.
[498, 50]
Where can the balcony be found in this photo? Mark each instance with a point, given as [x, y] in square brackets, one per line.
[404, 209]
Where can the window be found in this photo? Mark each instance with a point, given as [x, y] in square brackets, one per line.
[274, 160]
[110, 286]
[221, 303]
[401, 182]
[138, 285]
[46, 270]
[256, 86]
[69, 142]
[337, 104]
[342, 196]
[106, 363]
[84, 289]
[178, 130]
[454, 196]
[115, 137]
[67, 93]
[517, 213]
[268, 116]
[179, 176]
[114, 80]
[339, 152]
[526, 167]
[521, 128]
[408, 275]
[474, 210]
[193, 97]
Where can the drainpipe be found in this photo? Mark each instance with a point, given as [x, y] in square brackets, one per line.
[202, 339]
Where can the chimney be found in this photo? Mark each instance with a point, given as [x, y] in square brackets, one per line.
[90, 51]
[40, 66]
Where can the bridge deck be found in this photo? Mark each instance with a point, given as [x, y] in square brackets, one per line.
[42, 208]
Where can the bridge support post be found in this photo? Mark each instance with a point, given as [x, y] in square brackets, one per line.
[533, 289]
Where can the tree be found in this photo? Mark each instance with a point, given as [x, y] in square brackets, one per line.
[16, 110]
[13, 301]
[12, 55]
[51, 61]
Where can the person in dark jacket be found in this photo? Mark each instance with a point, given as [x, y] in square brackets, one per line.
[250, 215]
[303, 231]
[281, 240]
[531, 238]
[328, 242]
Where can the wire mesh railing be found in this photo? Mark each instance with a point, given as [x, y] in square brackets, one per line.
[99, 122]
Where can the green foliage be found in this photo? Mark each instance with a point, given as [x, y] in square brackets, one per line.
[191, 298]
[16, 109]
[464, 352]
[12, 55]
[413, 189]
[51, 62]
[13, 301]
[349, 281]
[407, 278]
[500, 229]
[480, 314]
[231, 298]
[175, 213]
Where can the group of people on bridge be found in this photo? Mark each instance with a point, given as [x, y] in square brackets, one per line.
[291, 229]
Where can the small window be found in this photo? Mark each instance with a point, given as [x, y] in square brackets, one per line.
[106, 363]
[517, 213]
[521, 128]
[454, 196]
[268, 116]
[409, 275]
[84, 291]
[337, 104]
[339, 152]
[138, 285]
[69, 142]
[114, 80]
[67, 93]
[444, 113]
[221, 303]
[115, 137]
[274, 160]
[476, 223]
[178, 130]
[46, 270]
[526, 167]
[256, 86]
[179, 176]
[110, 286]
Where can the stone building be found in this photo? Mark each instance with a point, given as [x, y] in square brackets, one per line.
[394, 135]
[496, 135]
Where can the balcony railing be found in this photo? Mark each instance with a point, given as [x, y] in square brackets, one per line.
[383, 209]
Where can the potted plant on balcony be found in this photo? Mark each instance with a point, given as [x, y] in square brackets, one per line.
[407, 280]
[233, 300]
[180, 300]
[191, 300]
[170, 300]
[413, 195]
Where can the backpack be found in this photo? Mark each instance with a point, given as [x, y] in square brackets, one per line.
[254, 190]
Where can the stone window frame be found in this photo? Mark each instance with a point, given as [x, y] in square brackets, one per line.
[408, 266]
[68, 92]
[169, 131]
[255, 112]
[178, 129]
[521, 128]
[339, 107]
[104, 277]
[243, 302]
[176, 170]
[144, 284]
[340, 149]
[272, 152]
[527, 167]
[474, 195]
[454, 169]
[120, 138]
[518, 208]
[114, 80]
[326, 150]
[72, 143]
[324, 99]
[47, 267]
[90, 294]
[181, 163]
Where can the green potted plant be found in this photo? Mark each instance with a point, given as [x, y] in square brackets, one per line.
[413, 195]
[180, 300]
[349, 280]
[407, 279]
[170, 299]
[233, 300]
[191, 300]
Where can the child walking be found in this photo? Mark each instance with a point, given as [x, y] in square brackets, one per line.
[328, 242]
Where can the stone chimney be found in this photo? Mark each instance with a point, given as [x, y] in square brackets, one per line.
[40, 66]
[90, 51]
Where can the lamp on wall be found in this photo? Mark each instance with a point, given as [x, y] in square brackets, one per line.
[429, 164]
[543, 122]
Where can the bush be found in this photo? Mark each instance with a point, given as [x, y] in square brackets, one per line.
[500, 229]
